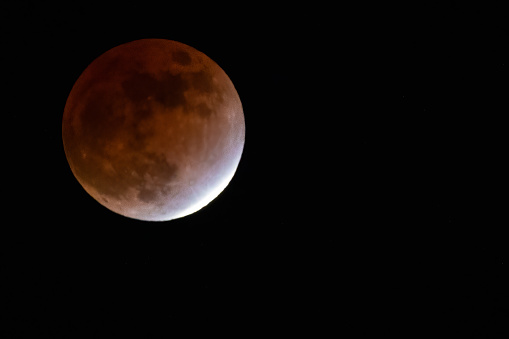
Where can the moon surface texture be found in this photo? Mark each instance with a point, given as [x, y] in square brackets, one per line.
[153, 129]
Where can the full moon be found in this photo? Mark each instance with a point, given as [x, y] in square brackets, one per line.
[153, 130]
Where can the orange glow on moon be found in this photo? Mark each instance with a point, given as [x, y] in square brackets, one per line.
[153, 129]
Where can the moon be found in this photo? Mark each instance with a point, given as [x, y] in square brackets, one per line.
[153, 129]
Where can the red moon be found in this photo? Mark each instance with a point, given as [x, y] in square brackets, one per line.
[153, 129]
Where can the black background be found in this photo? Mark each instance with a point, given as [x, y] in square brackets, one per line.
[370, 197]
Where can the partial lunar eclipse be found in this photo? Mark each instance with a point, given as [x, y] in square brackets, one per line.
[153, 129]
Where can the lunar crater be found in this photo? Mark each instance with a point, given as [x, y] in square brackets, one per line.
[182, 57]
[169, 90]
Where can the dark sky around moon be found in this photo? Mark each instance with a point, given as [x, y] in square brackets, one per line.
[370, 188]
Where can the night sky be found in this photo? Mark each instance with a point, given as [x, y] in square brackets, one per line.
[369, 197]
